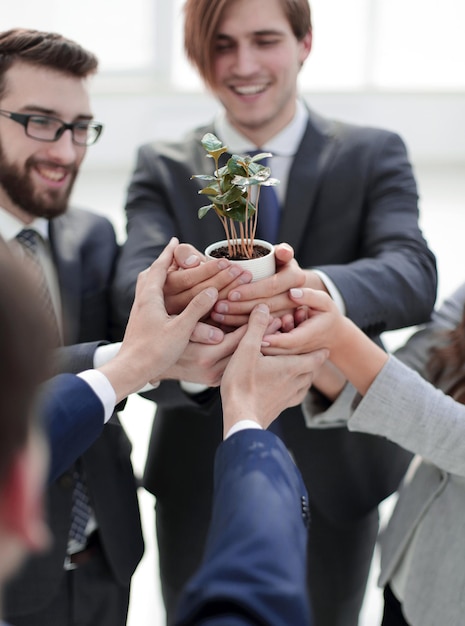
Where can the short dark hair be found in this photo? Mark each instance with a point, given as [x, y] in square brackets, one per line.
[25, 353]
[44, 49]
[201, 19]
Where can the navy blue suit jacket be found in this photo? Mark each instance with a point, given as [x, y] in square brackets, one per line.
[253, 570]
[73, 418]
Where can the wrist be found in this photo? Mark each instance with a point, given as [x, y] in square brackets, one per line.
[124, 377]
[357, 356]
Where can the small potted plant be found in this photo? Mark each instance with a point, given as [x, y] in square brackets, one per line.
[234, 192]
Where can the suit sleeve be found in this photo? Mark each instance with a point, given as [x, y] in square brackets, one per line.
[415, 353]
[253, 569]
[391, 281]
[73, 419]
[409, 411]
[159, 192]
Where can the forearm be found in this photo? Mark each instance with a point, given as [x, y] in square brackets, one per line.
[358, 358]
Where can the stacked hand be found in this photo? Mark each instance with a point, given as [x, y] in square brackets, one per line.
[165, 338]
[259, 387]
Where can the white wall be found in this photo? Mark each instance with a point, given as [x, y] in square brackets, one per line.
[431, 124]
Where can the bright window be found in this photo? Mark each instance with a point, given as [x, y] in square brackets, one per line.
[120, 32]
[363, 44]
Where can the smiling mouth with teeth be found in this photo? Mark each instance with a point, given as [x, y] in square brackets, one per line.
[249, 90]
[54, 175]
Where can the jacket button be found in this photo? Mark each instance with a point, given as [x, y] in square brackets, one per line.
[66, 481]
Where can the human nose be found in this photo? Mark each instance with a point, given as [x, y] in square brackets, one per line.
[245, 61]
[64, 150]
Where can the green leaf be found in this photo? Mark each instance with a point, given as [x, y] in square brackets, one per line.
[210, 191]
[211, 143]
[213, 146]
[260, 156]
[271, 182]
[230, 196]
[204, 210]
[234, 166]
[203, 177]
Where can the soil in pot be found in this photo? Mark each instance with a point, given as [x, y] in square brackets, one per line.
[223, 253]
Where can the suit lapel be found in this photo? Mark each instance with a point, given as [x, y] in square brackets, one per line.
[305, 176]
[66, 259]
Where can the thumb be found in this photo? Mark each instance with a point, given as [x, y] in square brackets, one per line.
[258, 323]
[166, 257]
[198, 307]
[154, 276]
[283, 253]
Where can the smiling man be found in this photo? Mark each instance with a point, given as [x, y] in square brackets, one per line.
[46, 126]
[349, 210]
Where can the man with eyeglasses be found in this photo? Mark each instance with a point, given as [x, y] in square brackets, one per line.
[46, 125]
[47, 128]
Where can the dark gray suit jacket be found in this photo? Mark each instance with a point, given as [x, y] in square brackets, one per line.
[351, 211]
[85, 250]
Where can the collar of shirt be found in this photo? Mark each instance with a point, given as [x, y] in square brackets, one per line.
[282, 146]
[10, 226]
[285, 143]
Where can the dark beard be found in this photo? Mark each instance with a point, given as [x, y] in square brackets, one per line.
[18, 186]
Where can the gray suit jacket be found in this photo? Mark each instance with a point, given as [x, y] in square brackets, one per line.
[85, 250]
[403, 407]
[350, 210]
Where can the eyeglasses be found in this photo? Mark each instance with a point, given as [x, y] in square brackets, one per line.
[45, 128]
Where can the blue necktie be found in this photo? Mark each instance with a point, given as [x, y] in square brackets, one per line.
[269, 211]
[269, 216]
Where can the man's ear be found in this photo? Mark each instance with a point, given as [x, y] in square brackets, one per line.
[21, 499]
[305, 47]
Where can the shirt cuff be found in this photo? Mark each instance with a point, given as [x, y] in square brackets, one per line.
[105, 353]
[192, 388]
[333, 291]
[102, 388]
[242, 425]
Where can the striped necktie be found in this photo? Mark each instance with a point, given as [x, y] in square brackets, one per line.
[81, 509]
[28, 239]
[80, 512]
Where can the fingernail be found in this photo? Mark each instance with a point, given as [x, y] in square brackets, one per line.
[234, 296]
[265, 344]
[296, 293]
[245, 278]
[191, 259]
[217, 317]
[215, 334]
[234, 271]
[223, 264]
[221, 307]
[263, 308]
[212, 292]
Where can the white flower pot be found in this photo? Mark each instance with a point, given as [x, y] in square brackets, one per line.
[261, 267]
